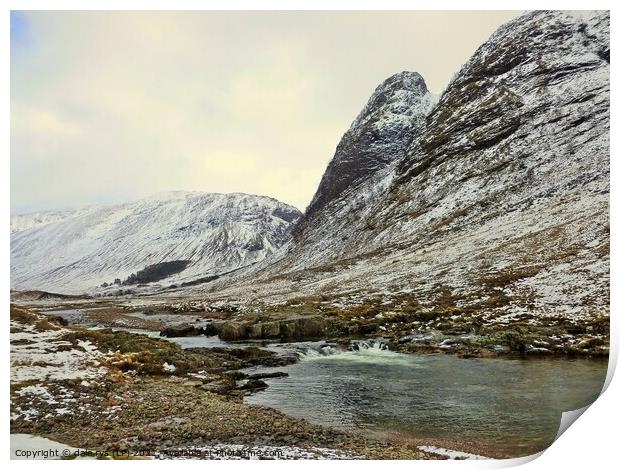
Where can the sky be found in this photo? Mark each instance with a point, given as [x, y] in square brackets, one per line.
[109, 107]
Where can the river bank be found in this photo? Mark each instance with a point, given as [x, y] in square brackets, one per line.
[135, 395]
[341, 408]
[446, 329]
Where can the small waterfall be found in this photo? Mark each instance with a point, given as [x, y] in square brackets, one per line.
[362, 345]
[318, 350]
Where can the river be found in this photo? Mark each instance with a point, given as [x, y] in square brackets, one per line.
[500, 407]
[504, 407]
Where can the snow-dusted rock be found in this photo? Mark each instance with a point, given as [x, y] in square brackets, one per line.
[381, 132]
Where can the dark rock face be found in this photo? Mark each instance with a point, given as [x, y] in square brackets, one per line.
[377, 137]
[177, 331]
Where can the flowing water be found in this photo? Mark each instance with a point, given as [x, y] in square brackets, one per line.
[497, 407]
[508, 407]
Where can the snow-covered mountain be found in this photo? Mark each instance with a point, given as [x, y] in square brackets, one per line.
[21, 222]
[379, 135]
[488, 206]
[205, 234]
[496, 204]
[362, 167]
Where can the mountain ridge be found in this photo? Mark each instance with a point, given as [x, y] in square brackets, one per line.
[216, 232]
[503, 195]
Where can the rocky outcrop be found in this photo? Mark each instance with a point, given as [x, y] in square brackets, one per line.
[233, 331]
[295, 328]
[390, 120]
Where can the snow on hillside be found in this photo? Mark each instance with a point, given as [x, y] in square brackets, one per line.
[38, 219]
[502, 192]
[215, 233]
[377, 138]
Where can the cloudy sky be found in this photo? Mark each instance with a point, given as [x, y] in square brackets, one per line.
[112, 106]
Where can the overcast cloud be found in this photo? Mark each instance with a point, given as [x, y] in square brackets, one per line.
[114, 106]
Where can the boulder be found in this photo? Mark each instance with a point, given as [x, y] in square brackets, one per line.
[303, 328]
[181, 330]
[253, 384]
[233, 331]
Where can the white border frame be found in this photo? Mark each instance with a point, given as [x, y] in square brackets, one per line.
[590, 443]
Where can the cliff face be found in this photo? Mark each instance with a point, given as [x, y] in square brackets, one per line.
[497, 200]
[509, 184]
[529, 113]
[392, 117]
[362, 167]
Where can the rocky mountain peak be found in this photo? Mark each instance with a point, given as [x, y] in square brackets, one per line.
[397, 94]
[501, 191]
[378, 136]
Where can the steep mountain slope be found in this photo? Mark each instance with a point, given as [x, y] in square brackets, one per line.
[195, 234]
[378, 136]
[497, 211]
[364, 162]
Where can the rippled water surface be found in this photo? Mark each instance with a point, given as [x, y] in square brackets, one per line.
[509, 406]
